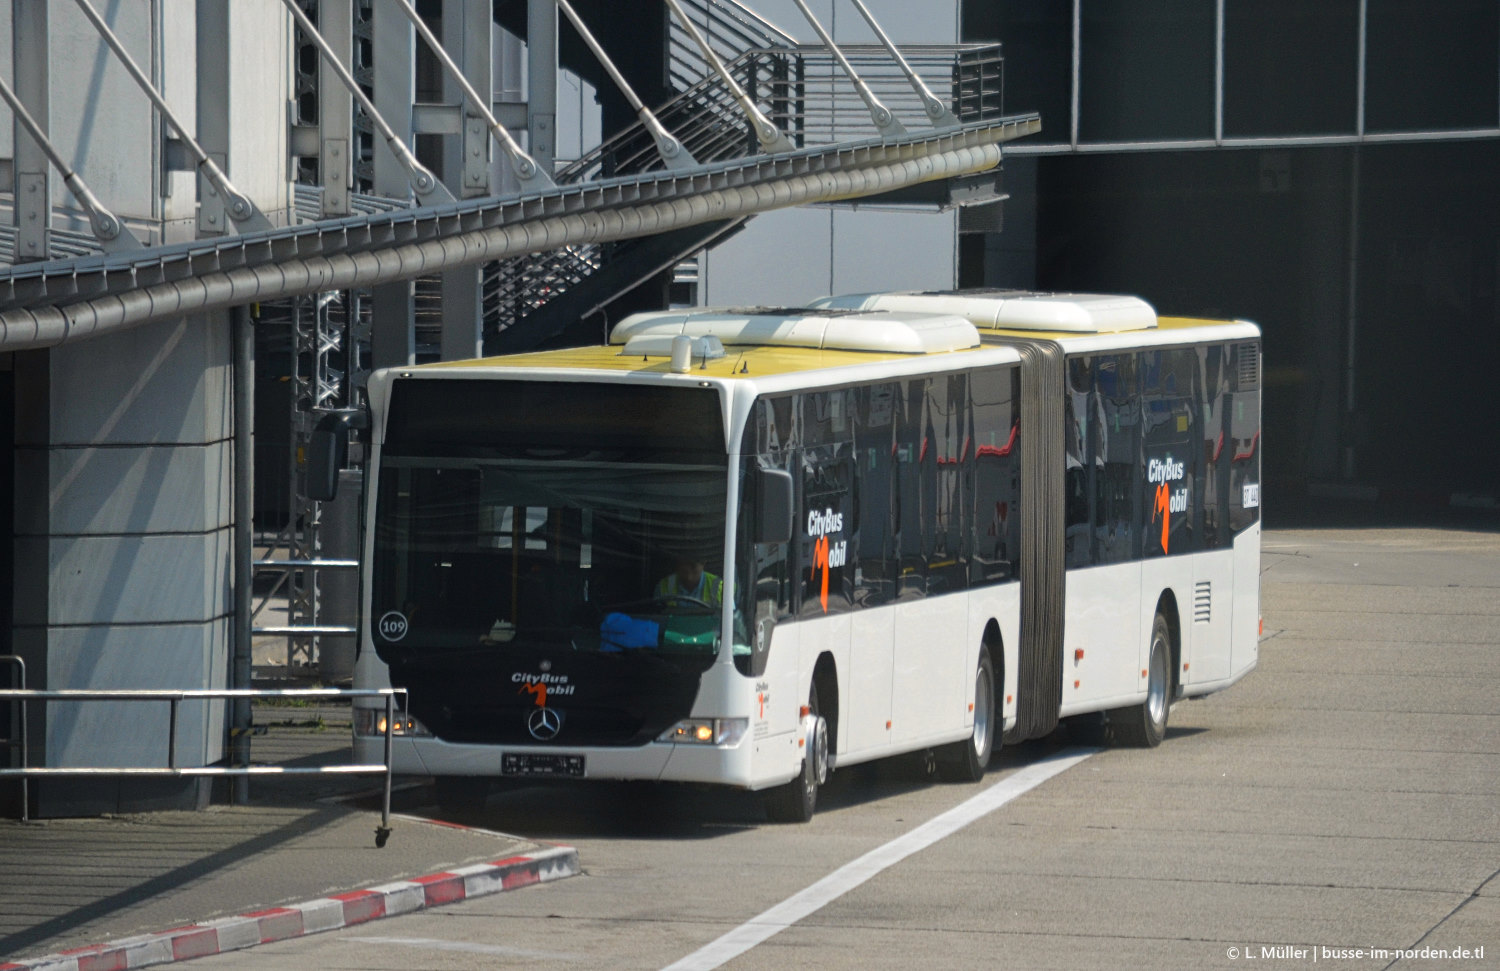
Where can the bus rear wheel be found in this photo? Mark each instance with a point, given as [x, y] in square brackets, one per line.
[966, 761]
[796, 801]
[1145, 725]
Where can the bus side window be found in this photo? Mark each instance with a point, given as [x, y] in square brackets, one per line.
[906, 508]
[944, 481]
[1244, 432]
[1114, 445]
[1172, 449]
[825, 529]
[874, 455]
[1217, 447]
[1079, 429]
[995, 547]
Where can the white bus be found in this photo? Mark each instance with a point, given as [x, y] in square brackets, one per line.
[746, 547]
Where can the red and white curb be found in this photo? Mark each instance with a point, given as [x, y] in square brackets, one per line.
[325, 914]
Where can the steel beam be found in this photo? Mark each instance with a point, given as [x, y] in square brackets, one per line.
[213, 40]
[30, 56]
[335, 108]
[466, 165]
[468, 28]
[541, 82]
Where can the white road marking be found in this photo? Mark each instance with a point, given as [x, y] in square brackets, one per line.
[851, 875]
[434, 944]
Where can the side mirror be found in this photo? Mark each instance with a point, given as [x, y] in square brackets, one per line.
[773, 506]
[328, 452]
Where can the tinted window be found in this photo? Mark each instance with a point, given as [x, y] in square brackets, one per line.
[1243, 419]
[1172, 445]
[451, 418]
[997, 475]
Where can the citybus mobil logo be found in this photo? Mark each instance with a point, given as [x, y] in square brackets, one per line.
[540, 686]
[827, 555]
[1163, 473]
[393, 625]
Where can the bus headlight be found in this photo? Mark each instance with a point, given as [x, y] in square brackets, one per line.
[371, 721]
[724, 732]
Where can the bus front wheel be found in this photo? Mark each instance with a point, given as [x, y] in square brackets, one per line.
[966, 761]
[796, 801]
[1145, 725]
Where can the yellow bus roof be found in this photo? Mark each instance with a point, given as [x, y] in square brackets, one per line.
[760, 361]
[738, 361]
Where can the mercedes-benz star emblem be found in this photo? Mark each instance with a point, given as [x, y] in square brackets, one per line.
[544, 724]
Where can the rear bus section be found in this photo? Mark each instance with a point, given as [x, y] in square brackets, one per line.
[1142, 537]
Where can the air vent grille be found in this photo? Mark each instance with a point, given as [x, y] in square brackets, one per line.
[1203, 601]
[1247, 362]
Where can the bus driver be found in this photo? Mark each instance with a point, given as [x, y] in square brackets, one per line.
[689, 579]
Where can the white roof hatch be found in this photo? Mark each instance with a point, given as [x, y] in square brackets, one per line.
[1081, 313]
[828, 329]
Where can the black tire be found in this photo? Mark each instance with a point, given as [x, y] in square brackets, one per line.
[460, 794]
[1145, 725]
[966, 761]
[796, 801]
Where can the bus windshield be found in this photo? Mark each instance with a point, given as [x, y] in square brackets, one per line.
[512, 535]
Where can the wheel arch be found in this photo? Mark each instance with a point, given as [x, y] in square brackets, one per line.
[993, 641]
[1166, 606]
[825, 679]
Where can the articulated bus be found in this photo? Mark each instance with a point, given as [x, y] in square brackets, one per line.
[746, 547]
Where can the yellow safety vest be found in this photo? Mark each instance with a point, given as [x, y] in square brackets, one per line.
[711, 585]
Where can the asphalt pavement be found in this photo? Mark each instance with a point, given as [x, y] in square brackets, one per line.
[69, 884]
[1345, 792]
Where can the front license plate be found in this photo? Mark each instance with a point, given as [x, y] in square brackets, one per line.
[567, 766]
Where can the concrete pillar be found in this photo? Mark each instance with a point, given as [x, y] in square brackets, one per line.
[123, 543]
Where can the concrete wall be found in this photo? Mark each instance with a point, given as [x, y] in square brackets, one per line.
[123, 547]
[122, 516]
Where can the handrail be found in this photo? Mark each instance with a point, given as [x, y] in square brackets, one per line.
[20, 664]
[174, 698]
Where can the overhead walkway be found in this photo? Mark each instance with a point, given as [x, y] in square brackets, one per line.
[52, 303]
[764, 127]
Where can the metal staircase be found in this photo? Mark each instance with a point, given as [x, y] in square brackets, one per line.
[530, 300]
